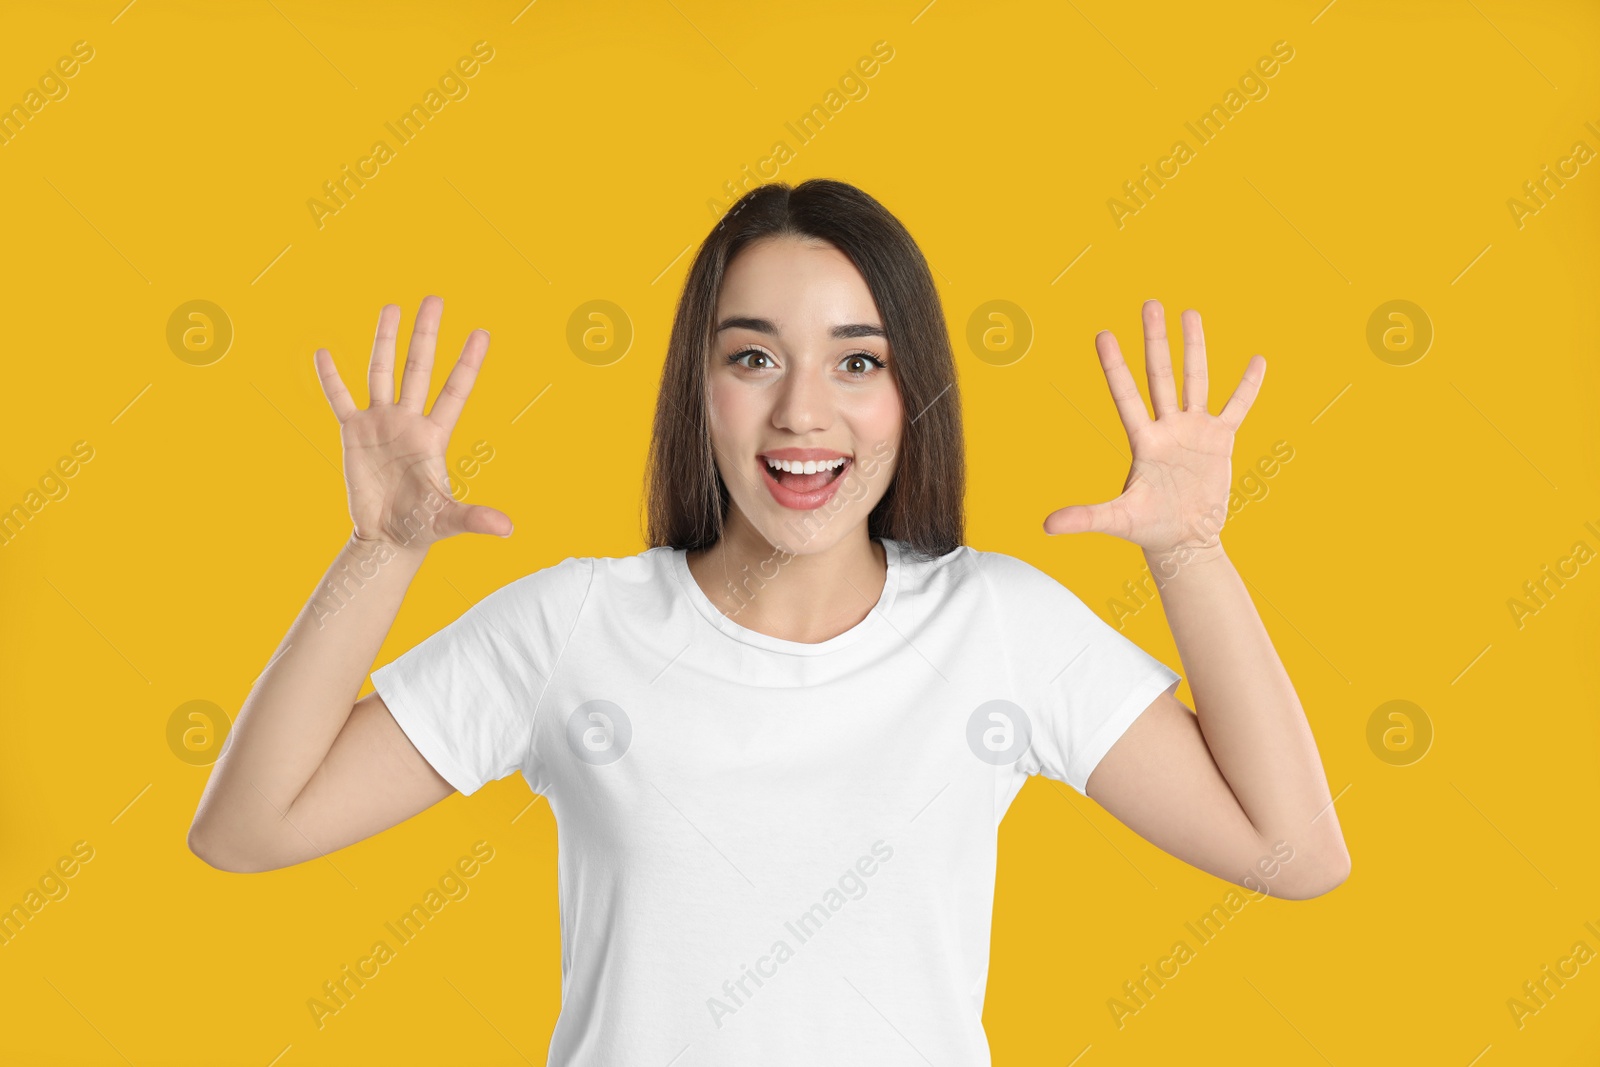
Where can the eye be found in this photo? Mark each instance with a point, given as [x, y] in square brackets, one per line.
[737, 359]
[737, 356]
[865, 356]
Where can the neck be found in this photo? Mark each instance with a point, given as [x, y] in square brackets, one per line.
[808, 597]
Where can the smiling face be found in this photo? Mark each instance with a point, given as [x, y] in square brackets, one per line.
[799, 382]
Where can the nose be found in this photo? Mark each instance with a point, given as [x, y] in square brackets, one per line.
[804, 401]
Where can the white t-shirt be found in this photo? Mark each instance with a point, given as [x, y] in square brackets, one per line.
[773, 852]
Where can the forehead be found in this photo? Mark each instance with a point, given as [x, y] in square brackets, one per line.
[798, 284]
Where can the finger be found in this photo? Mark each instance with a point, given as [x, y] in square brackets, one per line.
[1194, 362]
[418, 375]
[332, 385]
[458, 386]
[486, 520]
[1238, 405]
[1085, 518]
[1158, 360]
[1130, 405]
[471, 518]
[380, 369]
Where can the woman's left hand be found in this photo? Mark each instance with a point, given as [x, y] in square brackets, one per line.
[1176, 495]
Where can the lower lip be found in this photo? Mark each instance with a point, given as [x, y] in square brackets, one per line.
[801, 501]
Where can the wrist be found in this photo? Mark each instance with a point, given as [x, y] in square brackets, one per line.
[381, 550]
[1165, 563]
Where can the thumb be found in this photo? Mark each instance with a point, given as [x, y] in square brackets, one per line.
[1080, 518]
[472, 518]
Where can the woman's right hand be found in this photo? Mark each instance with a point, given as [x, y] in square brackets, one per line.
[394, 455]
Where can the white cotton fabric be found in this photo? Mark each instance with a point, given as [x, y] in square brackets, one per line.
[773, 852]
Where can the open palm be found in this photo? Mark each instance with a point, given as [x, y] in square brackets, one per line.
[394, 455]
[1176, 494]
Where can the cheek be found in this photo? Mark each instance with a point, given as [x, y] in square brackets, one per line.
[878, 416]
[732, 408]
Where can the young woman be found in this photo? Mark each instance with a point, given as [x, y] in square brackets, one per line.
[778, 744]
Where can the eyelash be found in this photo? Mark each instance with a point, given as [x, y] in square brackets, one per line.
[868, 356]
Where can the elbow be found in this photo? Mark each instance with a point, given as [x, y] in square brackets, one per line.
[208, 853]
[1323, 878]
[203, 850]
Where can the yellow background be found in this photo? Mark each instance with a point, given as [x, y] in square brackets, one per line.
[1382, 558]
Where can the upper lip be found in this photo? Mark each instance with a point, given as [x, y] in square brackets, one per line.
[803, 454]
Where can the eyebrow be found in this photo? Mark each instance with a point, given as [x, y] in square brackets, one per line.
[766, 326]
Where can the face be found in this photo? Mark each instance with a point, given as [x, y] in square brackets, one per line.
[799, 378]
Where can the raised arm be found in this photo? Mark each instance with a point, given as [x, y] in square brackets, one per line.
[1236, 787]
[308, 769]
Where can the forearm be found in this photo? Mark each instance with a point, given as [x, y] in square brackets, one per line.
[304, 696]
[1247, 707]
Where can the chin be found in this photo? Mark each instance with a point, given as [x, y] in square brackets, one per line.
[811, 533]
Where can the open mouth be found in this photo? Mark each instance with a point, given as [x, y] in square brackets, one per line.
[791, 474]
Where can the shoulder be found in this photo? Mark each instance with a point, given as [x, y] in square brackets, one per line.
[968, 566]
[1010, 574]
[571, 575]
[1025, 589]
[1000, 567]
[575, 580]
[553, 590]
[580, 571]
[974, 576]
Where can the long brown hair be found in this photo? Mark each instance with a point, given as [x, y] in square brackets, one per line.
[922, 508]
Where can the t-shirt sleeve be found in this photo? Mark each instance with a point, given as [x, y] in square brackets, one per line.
[1082, 682]
[466, 696]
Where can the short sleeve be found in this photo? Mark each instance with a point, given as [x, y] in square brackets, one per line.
[466, 696]
[1082, 682]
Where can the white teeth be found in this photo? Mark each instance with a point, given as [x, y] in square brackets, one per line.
[810, 466]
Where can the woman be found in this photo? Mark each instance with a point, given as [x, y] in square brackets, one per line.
[778, 744]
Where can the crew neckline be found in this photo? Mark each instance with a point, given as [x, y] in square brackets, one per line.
[714, 615]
